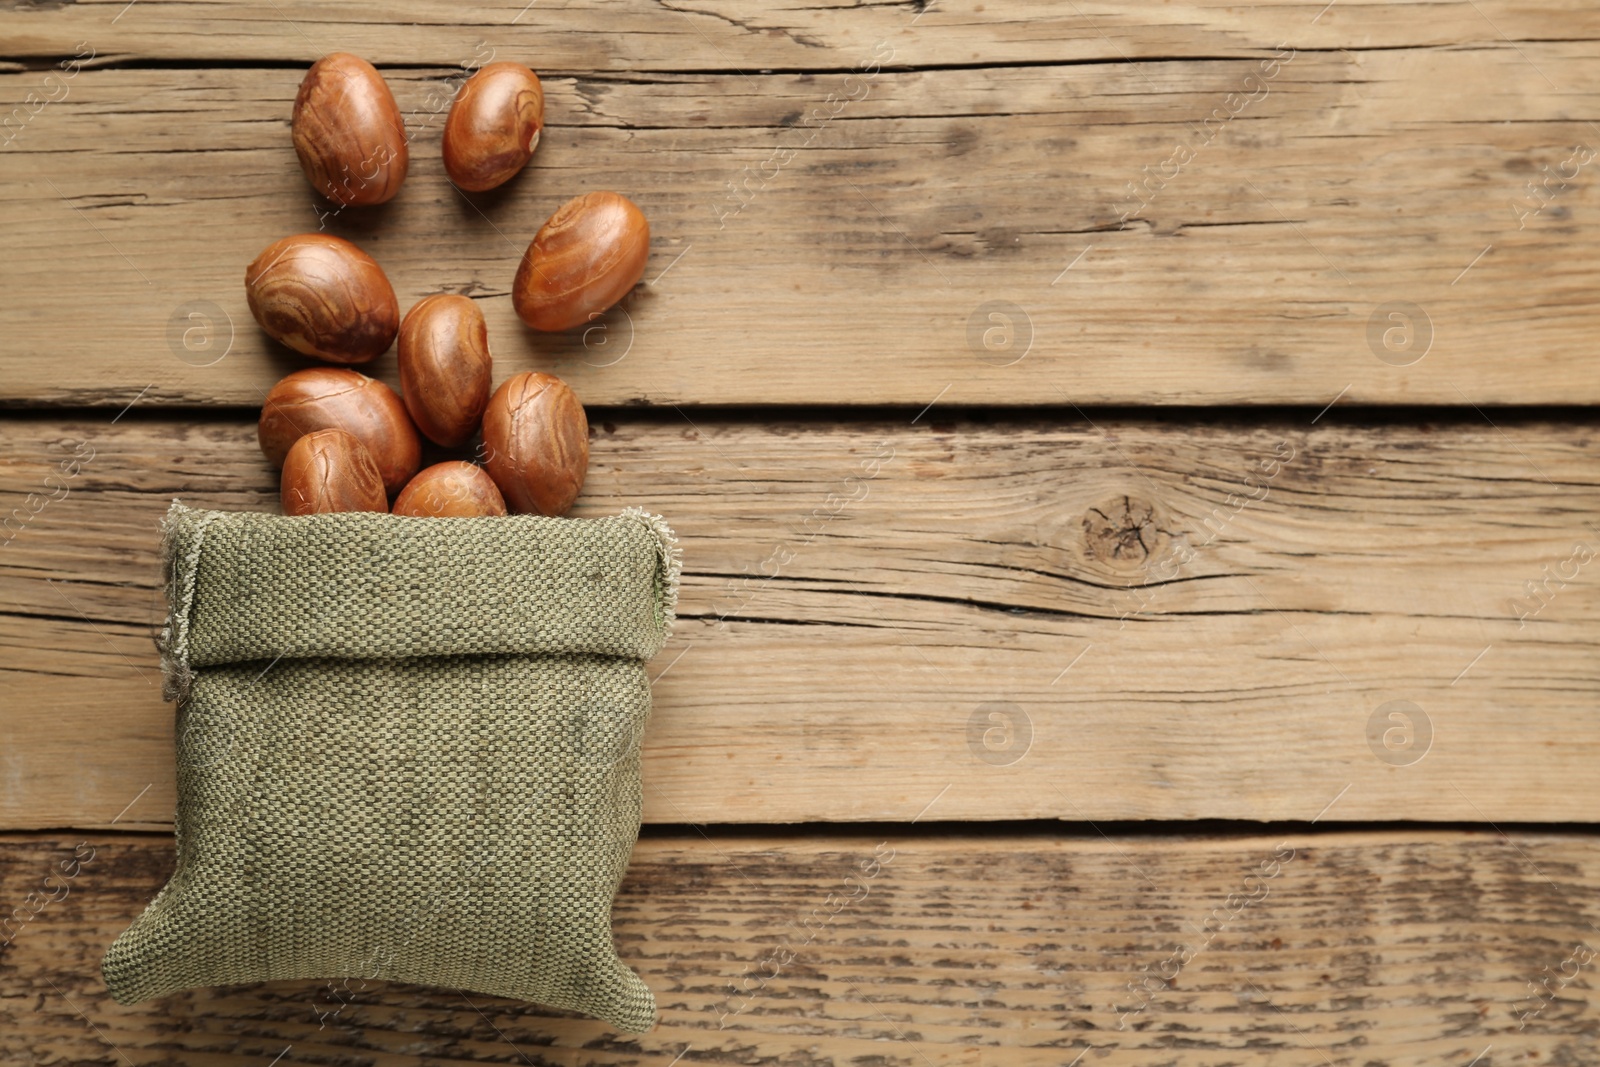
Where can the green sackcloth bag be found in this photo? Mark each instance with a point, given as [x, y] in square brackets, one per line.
[408, 749]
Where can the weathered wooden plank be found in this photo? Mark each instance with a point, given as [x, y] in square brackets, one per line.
[915, 245]
[722, 35]
[1351, 949]
[880, 617]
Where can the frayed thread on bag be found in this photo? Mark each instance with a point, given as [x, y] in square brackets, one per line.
[671, 556]
[179, 576]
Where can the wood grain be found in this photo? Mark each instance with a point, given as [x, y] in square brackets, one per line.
[966, 234]
[1043, 619]
[913, 618]
[1391, 948]
[723, 35]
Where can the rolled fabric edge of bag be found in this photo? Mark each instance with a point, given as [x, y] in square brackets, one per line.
[178, 540]
[670, 555]
[189, 637]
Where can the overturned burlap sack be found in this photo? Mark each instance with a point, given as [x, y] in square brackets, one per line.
[408, 750]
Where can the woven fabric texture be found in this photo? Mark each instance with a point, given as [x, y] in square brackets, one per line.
[408, 750]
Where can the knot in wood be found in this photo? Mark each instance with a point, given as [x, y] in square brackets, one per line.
[1121, 532]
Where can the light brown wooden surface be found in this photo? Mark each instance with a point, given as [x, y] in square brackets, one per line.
[1227, 665]
[872, 251]
[628, 35]
[1001, 622]
[1381, 949]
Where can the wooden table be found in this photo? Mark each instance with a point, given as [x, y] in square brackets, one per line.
[1119, 451]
